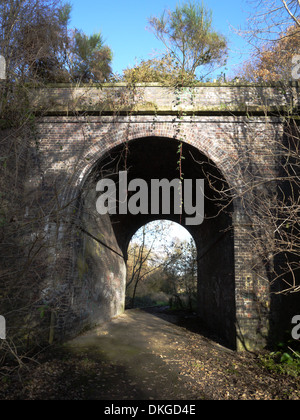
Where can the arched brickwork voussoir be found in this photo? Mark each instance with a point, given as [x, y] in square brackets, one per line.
[212, 148]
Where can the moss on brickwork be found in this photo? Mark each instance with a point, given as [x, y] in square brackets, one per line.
[82, 266]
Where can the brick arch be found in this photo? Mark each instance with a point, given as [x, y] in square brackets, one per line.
[116, 238]
[210, 142]
[210, 147]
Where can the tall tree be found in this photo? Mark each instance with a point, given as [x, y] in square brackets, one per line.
[189, 38]
[91, 58]
[181, 269]
[268, 22]
[272, 204]
[274, 61]
[33, 39]
[38, 46]
[143, 259]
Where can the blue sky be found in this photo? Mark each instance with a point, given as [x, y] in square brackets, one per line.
[123, 25]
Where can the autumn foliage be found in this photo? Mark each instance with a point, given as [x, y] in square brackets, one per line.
[273, 62]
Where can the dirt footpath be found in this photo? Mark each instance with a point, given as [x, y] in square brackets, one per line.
[147, 356]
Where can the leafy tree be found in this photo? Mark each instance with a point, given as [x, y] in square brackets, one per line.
[273, 62]
[181, 269]
[34, 40]
[189, 38]
[142, 258]
[38, 46]
[91, 58]
[156, 264]
[138, 267]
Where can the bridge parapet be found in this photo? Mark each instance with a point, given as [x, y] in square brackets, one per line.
[158, 99]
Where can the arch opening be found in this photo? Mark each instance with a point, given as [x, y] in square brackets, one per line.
[162, 268]
[100, 254]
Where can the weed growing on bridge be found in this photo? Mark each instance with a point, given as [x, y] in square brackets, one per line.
[284, 362]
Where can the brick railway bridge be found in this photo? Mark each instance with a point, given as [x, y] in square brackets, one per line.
[86, 133]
